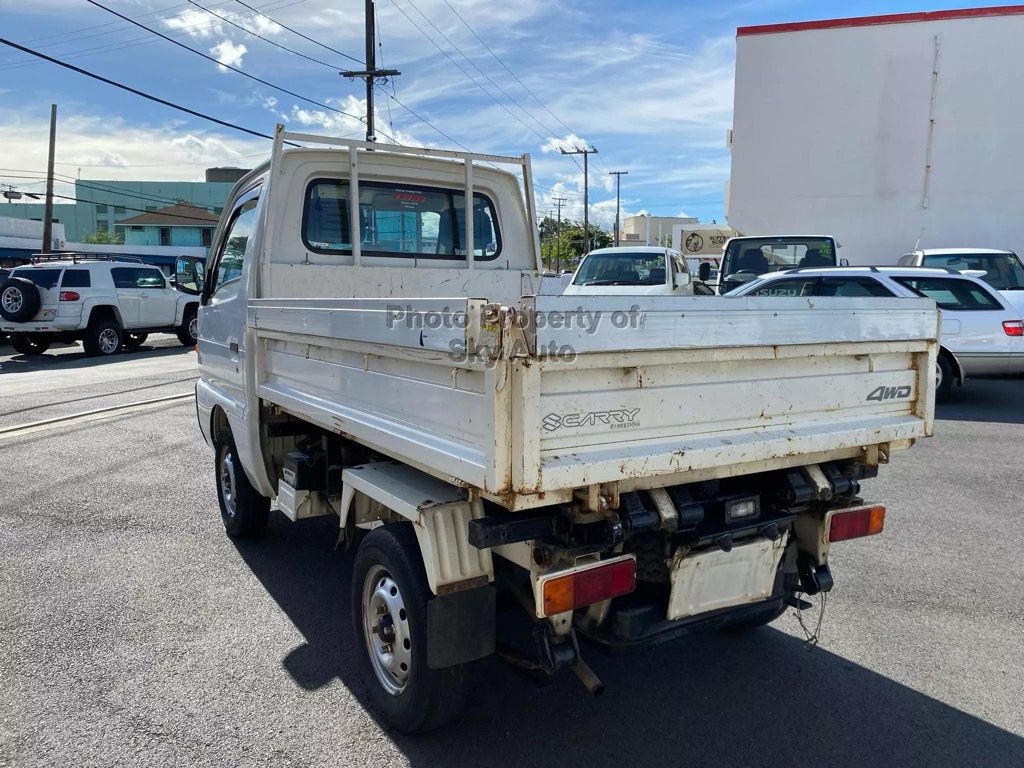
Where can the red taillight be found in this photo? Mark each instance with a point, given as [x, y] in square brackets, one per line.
[854, 523]
[69, 296]
[1013, 327]
[589, 585]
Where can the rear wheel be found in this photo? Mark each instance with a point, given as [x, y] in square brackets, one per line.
[389, 613]
[134, 340]
[29, 343]
[943, 376]
[243, 510]
[188, 331]
[103, 337]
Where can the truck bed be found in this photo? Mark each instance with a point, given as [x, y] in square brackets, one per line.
[689, 388]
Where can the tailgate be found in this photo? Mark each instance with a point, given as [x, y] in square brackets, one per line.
[645, 387]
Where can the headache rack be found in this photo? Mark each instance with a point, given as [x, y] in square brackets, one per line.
[353, 149]
[75, 258]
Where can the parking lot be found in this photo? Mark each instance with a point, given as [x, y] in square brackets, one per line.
[135, 633]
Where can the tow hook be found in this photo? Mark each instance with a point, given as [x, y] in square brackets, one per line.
[552, 654]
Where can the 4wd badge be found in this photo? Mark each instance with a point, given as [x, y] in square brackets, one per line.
[878, 394]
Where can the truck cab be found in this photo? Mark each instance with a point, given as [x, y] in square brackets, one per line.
[744, 258]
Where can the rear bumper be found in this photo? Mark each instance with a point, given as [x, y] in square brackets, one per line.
[59, 325]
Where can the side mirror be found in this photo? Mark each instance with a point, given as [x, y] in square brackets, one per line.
[189, 276]
[704, 271]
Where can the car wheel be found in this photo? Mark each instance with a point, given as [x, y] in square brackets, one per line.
[29, 343]
[103, 337]
[134, 340]
[188, 331]
[943, 376]
[242, 509]
[389, 614]
[19, 300]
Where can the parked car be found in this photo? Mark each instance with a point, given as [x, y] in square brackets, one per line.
[623, 467]
[982, 333]
[644, 270]
[1003, 270]
[105, 303]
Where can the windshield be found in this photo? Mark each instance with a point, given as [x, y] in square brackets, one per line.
[1003, 271]
[746, 258]
[622, 269]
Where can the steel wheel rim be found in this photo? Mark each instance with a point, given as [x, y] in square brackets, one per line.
[386, 630]
[108, 341]
[12, 300]
[226, 472]
[193, 328]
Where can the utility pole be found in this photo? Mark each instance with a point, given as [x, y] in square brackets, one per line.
[618, 179]
[586, 152]
[558, 235]
[48, 210]
[371, 72]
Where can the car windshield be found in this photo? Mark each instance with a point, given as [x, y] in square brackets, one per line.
[629, 268]
[746, 258]
[1003, 271]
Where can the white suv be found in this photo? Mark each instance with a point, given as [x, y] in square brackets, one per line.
[107, 304]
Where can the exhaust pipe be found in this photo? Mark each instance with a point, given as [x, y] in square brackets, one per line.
[586, 675]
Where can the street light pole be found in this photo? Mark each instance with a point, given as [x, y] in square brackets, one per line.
[618, 179]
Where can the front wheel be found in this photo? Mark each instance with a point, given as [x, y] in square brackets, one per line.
[29, 344]
[188, 331]
[389, 614]
[243, 510]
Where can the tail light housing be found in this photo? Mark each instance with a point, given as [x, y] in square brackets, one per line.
[69, 296]
[1013, 327]
[586, 585]
[855, 523]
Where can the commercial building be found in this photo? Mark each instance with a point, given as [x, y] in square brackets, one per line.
[103, 205]
[177, 225]
[888, 132]
[650, 230]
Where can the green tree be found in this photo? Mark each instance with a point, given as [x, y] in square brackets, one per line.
[570, 245]
[104, 237]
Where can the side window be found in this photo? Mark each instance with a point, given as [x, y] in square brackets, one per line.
[851, 287]
[76, 278]
[232, 253]
[398, 220]
[124, 277]
[952, 293]
[797, 288]
[149, 278]
[42, 278]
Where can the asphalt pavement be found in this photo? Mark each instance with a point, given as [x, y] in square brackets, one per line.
[134, 633]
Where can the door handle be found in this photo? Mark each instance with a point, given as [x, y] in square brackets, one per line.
[233, 346]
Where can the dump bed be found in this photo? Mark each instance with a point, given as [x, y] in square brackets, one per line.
[527, 403]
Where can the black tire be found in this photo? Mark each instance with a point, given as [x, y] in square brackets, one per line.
[19, 299]
[944, 376]
[429, 698]
[29, 343]
[188, 331]
[103, 338]
[243, 510]
[134, 340]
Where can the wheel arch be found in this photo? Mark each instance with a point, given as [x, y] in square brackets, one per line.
[958, 369]
[99, 312]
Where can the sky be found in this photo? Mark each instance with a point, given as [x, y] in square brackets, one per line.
[648, 83]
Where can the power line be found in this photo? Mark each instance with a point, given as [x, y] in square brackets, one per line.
[66, 179]
[296, 32]
[261, 37]
[221, 64]
[136, 91]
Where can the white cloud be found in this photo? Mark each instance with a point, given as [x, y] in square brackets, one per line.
[227, 53]
[196, 23]
[105, 159]
[205, 150]
[349, 125]
[568, 142]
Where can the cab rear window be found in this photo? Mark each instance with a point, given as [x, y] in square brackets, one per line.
[398, 220]
[43, 278]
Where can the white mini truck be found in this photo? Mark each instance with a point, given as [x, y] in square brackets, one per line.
[612, 468]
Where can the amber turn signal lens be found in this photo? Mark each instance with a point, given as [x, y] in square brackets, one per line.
[855, 523]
